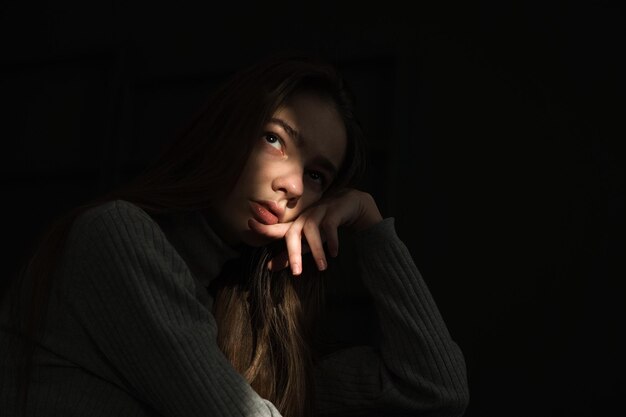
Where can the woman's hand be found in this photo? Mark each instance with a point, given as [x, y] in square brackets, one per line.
[354, 209]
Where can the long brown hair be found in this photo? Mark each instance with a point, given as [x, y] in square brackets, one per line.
[271, 312]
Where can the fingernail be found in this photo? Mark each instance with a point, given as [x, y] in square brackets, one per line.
[296, 269]
[321, 264]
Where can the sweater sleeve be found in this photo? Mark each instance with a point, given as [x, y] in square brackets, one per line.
[416, 368]
[136, 299]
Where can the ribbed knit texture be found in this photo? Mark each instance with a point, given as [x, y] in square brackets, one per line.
[417, 369]
[129, 331]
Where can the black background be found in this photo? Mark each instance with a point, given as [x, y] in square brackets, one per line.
[493, 130]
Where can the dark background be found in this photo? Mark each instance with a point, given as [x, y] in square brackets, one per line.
[493, 131]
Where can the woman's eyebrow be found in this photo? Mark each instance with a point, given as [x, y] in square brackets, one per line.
[322, 161]
[325, 164]
[291, 131]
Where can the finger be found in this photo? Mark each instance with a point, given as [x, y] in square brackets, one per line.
[332, 238]
[314, 238]
[293, 240]
[279, 262]
[337, 215]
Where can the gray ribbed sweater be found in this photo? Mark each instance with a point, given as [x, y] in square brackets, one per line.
[130, 333]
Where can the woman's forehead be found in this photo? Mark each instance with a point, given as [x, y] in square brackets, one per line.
[314, 124]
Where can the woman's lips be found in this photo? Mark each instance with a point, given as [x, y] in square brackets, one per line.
[263, 214]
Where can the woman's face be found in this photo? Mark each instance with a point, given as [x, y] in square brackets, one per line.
[291, 165]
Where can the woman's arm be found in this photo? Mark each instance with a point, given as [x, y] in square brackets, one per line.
[417, 367]
[135, 297]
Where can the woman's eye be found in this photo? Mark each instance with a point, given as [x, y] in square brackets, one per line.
[317, 177]
[273, 140]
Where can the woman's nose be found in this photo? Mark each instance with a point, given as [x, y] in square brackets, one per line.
[290, 184]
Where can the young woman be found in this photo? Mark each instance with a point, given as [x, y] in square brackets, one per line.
[196, 288]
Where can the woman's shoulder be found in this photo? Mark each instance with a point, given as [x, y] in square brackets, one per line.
[113, 211]
[113, 217]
